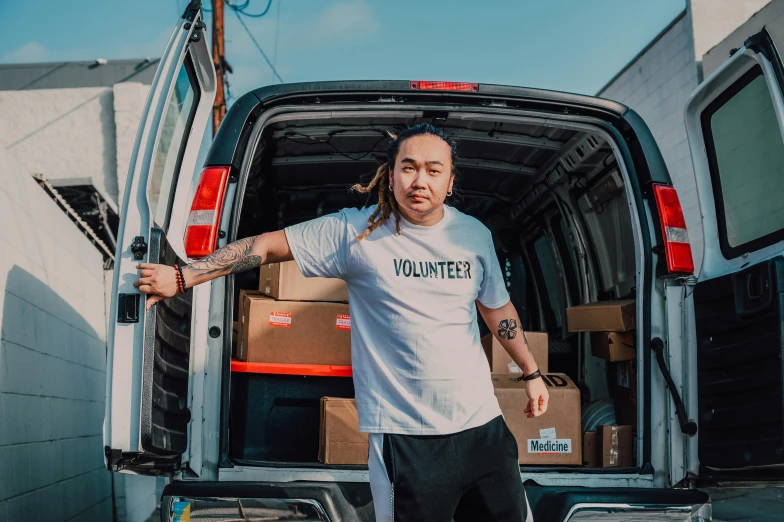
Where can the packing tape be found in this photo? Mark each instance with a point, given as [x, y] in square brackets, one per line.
[614, 448]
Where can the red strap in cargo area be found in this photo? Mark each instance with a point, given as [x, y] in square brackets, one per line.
[317, 370]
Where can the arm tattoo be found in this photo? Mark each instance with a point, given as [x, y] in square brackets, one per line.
[233, 258]
[507, 329]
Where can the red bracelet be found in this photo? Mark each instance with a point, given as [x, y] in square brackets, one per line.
[178, 276]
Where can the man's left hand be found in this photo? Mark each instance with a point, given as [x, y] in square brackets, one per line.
[537, 397]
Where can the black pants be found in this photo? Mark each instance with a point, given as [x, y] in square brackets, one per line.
[471, 476]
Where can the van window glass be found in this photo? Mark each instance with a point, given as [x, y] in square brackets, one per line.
[172, 137]
[746, 157]
[609, 224]
[551, 278]
[515, 278]
[566, 235]
[568, 256]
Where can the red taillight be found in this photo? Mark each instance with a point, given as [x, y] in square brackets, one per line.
[676, 239]
[444, 86]
[201, 232]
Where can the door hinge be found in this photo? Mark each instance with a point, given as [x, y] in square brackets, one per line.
[139, 248]
[198, 28]
[688, 427]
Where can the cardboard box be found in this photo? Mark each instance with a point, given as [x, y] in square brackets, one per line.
[552, 438]
[602, 316]
[294, 332]
[284, 281]
[614, 346]
[614, 445]
[239, 349]
[340, 441]
[590, 451]
[623, 391]
[501, 362]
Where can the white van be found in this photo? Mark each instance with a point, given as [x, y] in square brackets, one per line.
[582, 209]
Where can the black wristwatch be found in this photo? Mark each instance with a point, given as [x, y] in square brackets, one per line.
[531, 376]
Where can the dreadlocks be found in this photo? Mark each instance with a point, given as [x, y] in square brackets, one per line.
[387, 204]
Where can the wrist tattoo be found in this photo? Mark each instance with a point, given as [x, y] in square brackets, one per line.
[231, 259]
[507, 329]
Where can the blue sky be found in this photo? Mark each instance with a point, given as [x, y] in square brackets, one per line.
[568, 45]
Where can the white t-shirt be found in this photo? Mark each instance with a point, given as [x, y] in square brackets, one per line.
[418, 364]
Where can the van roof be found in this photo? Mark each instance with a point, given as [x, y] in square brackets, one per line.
[403, 88]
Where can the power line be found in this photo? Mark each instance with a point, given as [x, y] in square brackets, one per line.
[266, 58]
[241, 9]
[277, 32]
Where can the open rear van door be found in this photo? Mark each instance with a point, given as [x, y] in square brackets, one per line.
[734, 123]
[149, 353]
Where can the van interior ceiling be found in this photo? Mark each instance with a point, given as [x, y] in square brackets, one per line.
[552, 196]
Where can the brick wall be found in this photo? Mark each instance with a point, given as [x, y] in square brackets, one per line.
[52, 360]
[53, 306]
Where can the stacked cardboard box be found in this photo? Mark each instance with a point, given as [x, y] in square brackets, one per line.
[297, 321]
[285, 282]
[553, 438]
[501, 362]
[611, 324]
[608, 447]
[602, 316]
[340, 441]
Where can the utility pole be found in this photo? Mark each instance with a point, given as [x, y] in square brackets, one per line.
[219, 107]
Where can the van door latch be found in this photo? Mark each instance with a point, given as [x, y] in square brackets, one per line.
[139, 248]
[688, 427]
[128, 308]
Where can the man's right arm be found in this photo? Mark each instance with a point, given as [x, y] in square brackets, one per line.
[160, 281]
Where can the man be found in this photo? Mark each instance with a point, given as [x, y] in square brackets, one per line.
[417, 270]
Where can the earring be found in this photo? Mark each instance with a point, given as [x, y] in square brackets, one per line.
[449, 193]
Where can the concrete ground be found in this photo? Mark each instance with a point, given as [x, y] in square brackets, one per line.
[752, 504]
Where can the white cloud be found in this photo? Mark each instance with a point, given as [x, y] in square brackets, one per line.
[28, 53]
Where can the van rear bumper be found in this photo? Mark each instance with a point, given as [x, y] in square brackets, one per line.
[343, 502]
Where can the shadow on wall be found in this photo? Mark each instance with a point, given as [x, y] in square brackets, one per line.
[52, 379]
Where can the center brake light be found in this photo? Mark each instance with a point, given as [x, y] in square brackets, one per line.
[424, 85]
[673, 225]
[201, 231]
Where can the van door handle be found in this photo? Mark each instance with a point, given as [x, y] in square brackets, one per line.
[688, 427]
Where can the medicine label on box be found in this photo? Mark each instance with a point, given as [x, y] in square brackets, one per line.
[281, 319]
[343, 322]
[540, 446]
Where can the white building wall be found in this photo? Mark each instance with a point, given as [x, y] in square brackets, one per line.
[53, 309]
[75, 126]
[52, 360]
[715, 19]
[129, 100]
[771, 16]
[136, 496]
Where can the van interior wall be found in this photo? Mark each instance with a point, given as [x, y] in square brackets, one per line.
[553, 198]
